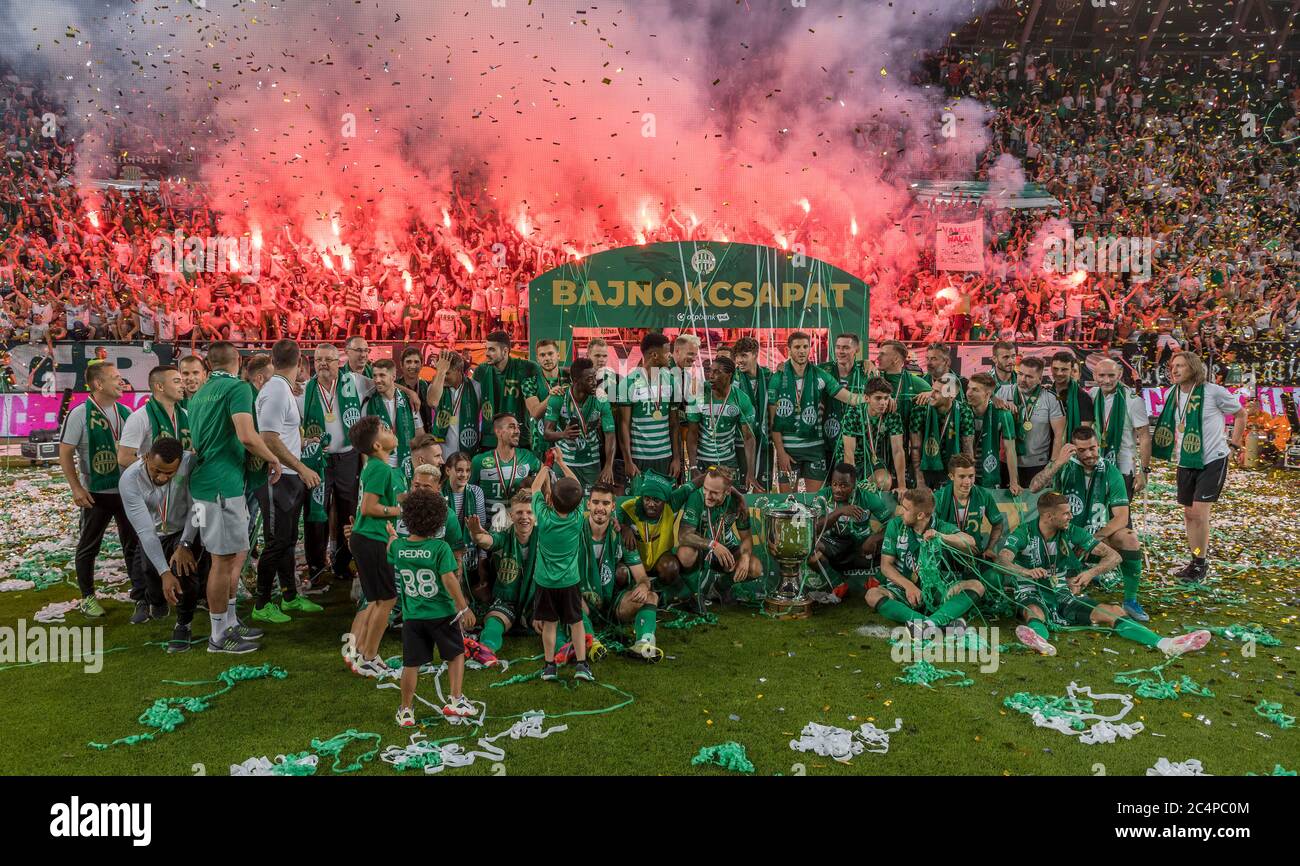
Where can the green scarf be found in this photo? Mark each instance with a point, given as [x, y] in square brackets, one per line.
[989, 455]
[1070, 402]
[464, 409]
[1162, 447]
[102, 433]
[839, 416]
[790, 419]
[1111, 432]
[1025, 416]
[345, 401]
[160, 425]
[756, 391]
[403, 426]
[942, 437]
[514, 572]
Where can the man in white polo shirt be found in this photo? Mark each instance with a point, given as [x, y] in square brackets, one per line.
[1191, 433]
[280, 424]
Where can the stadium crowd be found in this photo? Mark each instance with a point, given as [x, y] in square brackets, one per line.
[1136, 153]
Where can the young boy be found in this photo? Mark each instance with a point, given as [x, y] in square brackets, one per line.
[556, 573]
[433, 608]
[382, 487]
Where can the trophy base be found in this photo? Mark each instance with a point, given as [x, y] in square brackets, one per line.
[780, 607]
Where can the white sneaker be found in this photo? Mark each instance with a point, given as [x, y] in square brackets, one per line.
[459, 707]
[1034, 641]
[646, 649]
[354, 593]
[1184, 643]
[406, 717]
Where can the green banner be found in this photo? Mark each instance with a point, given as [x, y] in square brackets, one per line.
[696, 285]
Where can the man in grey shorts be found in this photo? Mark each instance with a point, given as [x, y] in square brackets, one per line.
[222, 432]
[1039, 421]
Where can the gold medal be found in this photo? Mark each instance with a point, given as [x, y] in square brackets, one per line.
[1029, 425]
[330, 417]
[658, 415]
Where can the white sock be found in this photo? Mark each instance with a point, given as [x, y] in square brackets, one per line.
[232, 619]
[1165, 645]
[218, 626]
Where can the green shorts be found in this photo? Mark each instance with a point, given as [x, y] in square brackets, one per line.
[587, 476]
[702, 465]
[809, 464]
[1060, 608]
[897, 593]
[660, 466]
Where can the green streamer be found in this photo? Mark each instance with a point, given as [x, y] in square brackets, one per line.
[165, 715]
[1278, 770]
[729, 755]
[1273, 712]
[334, 746]
[1243, 632]
[1161, 689]
[1050, 707]
[686, 620]
[922, 673]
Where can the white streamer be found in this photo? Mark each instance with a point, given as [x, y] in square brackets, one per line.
[263, 767]
[1190, 767]
[842, 745]
[1104, 730]
[454, 755]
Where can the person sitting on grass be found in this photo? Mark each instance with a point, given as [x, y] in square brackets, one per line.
[714, 534]
[845, 541]
[1098, 501]
[1052, 579]
[900, 597]
[649, 523]
[616, 584]
[434, 610]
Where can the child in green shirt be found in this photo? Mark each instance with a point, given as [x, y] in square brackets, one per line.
[382, 488]
[434, 610]
[560, 520]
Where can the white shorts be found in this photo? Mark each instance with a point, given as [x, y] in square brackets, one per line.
[223, 525]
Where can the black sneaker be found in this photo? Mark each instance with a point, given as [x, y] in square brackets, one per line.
[180, 641]
[1196, 573]
[141, 614]
[158, 611]
[550, 672]
[232, 644]
[582, 671]
[1181, 573]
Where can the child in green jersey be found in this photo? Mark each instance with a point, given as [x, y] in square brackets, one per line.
[433, 608]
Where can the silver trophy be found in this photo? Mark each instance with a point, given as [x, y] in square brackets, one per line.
[789, 544]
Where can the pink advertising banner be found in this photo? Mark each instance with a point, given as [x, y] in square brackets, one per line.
[21, 414]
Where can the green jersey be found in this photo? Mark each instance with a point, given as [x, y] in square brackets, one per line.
[877, 451]
[905, 386]
[904, 544]
[594, 419]
[539, 424]
[651, 397]
[722, 523]
[991, 429]
[872, 505]
[1056, 555]
[386, 483]
[841, 418]
[419, 567]
[719, 420]
[508, 391]
[801, 403]
[219, 456]
[969, 518]
[514, 562]
[558, 559]
[501, 478]
[755, 388]
[940, 433]
[601, 560]
[1092, 495]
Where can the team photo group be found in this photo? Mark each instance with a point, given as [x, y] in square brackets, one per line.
[566, 501]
